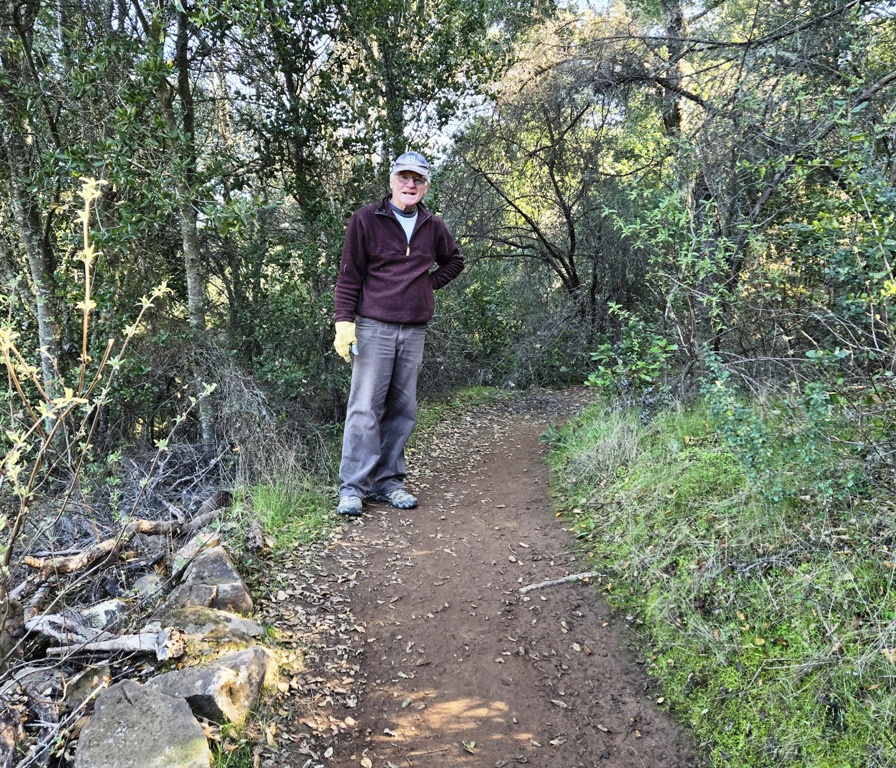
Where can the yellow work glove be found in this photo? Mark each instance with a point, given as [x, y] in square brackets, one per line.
[345, 337]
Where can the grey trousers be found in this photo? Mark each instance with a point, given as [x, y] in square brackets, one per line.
[382, 406]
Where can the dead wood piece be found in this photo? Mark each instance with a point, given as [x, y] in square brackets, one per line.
[555, 582]
[40, 596]
[62, 628]
[167, 644]
[99, 551]
[209, 510]
[11, 733]
[28, 587]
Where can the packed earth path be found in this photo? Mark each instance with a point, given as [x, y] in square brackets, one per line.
[412, 644]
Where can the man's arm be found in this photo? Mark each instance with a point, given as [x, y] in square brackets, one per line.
[352, 271]
[449, 259]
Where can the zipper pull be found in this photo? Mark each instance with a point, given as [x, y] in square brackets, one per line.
[408, 252]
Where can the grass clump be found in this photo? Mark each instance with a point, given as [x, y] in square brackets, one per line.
[771, 622]
[293, 509]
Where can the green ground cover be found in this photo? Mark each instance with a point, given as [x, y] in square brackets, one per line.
[769, 621]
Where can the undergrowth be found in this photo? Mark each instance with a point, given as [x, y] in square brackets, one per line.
[771, 623]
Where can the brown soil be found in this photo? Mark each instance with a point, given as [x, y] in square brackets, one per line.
[416, 648]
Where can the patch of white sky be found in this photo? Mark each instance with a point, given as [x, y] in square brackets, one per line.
[472, 107]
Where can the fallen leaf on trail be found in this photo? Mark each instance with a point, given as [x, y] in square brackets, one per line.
[557, 742]
[470, 746]
[366, 762]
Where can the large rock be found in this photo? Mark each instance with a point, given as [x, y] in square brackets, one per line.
[135, 727]
[211, 581]
[109, 614]
[207, 628]
[226, 689]
[188, 552]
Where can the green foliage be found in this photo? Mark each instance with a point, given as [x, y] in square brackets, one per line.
[641, 362]
[233, 748]
[486, 317]
[770, 623]
[794, 447]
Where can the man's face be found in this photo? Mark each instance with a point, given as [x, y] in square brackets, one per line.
[408, 189]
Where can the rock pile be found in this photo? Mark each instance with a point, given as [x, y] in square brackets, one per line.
[203, 622]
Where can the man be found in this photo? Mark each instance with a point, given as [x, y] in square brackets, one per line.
[396, 253]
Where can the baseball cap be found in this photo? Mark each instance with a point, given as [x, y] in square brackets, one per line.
[411, 161]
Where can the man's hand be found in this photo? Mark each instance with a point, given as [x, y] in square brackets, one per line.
[345, 337]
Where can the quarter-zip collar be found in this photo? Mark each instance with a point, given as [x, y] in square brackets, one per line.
[384, 209]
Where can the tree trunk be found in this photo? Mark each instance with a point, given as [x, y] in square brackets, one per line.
[183, 154]
[41, 265]
[673, 15]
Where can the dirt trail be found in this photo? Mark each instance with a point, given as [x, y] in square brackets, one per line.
[424, 652]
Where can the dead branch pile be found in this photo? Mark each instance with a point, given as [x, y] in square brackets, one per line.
[49, 637]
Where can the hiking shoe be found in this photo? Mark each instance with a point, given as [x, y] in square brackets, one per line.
[398, 498]
[350, 506]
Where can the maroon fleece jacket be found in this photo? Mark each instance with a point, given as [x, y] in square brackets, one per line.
[383, 277]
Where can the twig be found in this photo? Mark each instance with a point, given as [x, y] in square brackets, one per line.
[409, 755]
[38, 751]
[555, 582]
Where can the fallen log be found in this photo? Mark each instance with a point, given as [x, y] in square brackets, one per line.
[104, 549]
[167, 644]
[209, 510]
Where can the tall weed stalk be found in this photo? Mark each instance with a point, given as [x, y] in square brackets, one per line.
[49, 437]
